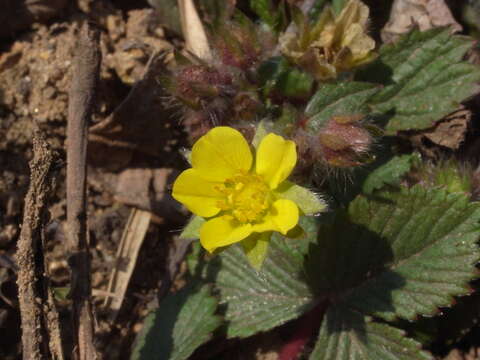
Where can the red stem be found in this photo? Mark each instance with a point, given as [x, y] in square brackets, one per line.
[305, 328]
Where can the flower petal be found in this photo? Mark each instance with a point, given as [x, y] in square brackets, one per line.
[220, 231]
[276, 158]
[282, 217]
[221, 153]
[200, 196]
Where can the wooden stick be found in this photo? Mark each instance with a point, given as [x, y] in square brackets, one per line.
[86, 66]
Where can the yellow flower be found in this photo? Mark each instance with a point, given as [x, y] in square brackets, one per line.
[334, 44]
[240, 196]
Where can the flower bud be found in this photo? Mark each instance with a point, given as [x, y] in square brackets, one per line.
[196, 85]
[246, 105]
[343, 141]
[239, 45]
[196, 123]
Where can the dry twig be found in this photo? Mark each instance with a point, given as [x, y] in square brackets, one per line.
[81, 98]
[40, 327]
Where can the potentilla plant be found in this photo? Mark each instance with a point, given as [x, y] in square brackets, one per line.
[295, 101]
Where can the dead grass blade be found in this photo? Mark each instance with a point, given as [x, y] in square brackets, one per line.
[127, 254]
[193, 31]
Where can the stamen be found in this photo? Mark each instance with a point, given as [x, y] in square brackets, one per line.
[247, 197]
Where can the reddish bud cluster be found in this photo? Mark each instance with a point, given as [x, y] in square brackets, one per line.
[224, 91]
[246, 105]
[238, 46]
[195, 84]
[340, 143]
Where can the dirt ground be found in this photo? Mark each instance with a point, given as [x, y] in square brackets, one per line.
[134, 153]
[35, 62]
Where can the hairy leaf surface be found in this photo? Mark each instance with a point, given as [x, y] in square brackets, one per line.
[183, 322]
[399, 254]
[425, 78]
[346, 334]
[259, 301]
[341, 99]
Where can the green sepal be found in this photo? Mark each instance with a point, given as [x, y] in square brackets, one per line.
[307, 201]
[256, 247]
[187, 155]
[192, 230]
[194, 257]
[297, 232]
[263, 128]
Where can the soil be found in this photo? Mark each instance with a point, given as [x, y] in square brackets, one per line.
[35, 64]
[133, 156]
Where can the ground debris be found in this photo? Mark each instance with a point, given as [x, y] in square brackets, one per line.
[424, 14]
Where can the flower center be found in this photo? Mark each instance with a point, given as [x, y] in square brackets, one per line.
[247, 197]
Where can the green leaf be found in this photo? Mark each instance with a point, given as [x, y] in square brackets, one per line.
[447, 327]
[307, 201]
[271, 69]
[433, 237]
[455, 322]
[403, 253]
[184, 321]
[295, 84]
[389, 173]
[259, 301]
[255, 247]
[346, 334]
[299, 247]
[425, 76]
[317, 8]
[277, 76]
[192, 230]
[341, 99]
[398, 255]
[266, 11]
